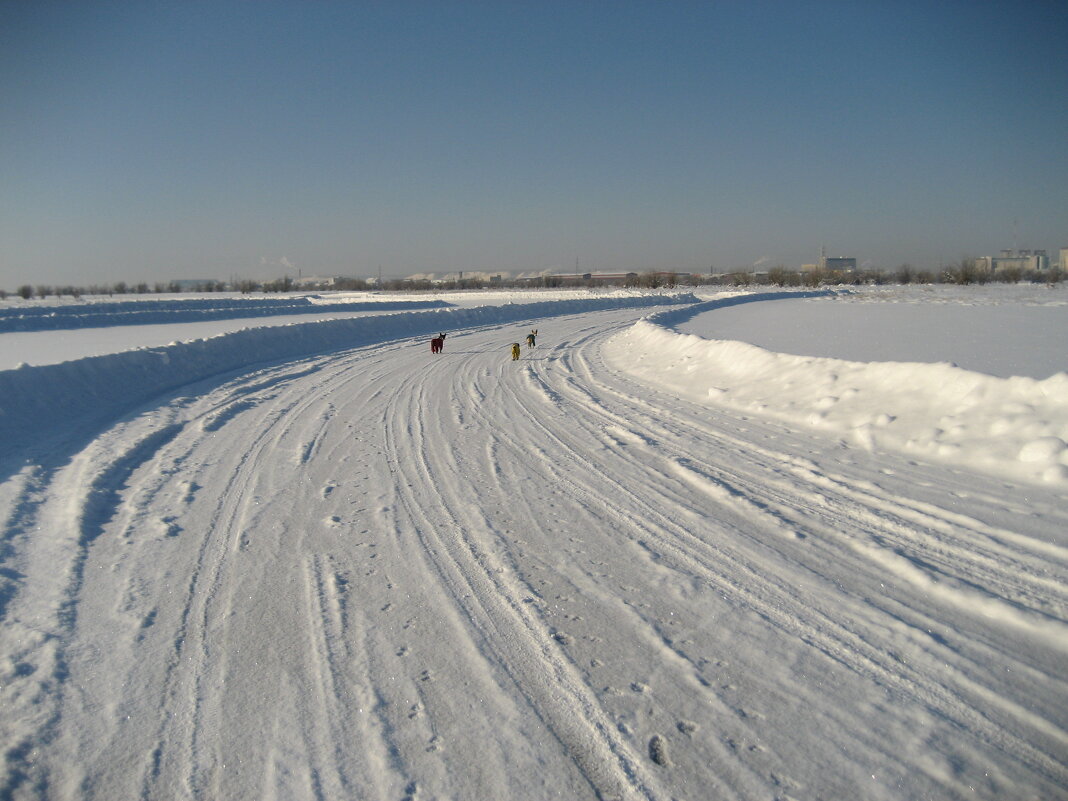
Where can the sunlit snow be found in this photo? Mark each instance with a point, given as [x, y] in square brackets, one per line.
[657, 557]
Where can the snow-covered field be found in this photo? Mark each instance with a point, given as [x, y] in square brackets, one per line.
[314, 561]
[1003, 330]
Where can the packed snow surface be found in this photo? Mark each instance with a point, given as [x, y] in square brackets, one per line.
[316, 561]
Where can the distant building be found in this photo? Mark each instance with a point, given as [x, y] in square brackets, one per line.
[313, 281]
[580, 278]
[1022, 260]
[838, 264]
[1063, 262]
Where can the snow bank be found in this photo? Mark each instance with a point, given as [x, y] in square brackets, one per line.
[54, 398]
[1016, 427]
[493, 297]
[154, 312]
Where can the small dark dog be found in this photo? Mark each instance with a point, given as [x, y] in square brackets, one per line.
[437, 344]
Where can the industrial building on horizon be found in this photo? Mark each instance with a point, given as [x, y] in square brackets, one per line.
[1023, 260]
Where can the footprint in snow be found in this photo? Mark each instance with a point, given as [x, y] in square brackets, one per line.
[169, 525]
[658, 751]
[189, 490]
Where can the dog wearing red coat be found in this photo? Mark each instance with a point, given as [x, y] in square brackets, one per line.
[437, 344]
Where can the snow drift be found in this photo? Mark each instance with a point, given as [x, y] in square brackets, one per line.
[90, 390]
[156, 312]
[1016, 426]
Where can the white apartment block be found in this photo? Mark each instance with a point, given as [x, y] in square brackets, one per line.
[1023, 260]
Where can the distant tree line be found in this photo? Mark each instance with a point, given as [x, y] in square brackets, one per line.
[28, 291]
[964, 271]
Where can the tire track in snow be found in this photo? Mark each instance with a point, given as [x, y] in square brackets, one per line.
[89, 497]
[777, 602]
[781, 605]
[466, 631]
[195, 670]
[493, 605]
[839, 642]
[329, 620]
[604, 615]
[898, 515]
[78, 505]
[590, 484]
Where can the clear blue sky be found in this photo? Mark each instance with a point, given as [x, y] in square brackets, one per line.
[150, 141]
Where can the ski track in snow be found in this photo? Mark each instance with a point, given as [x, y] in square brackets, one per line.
[380, 574]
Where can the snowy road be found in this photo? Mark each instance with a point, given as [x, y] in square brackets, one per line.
[380, 574]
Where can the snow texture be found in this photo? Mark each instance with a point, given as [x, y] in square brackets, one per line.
[317, 561]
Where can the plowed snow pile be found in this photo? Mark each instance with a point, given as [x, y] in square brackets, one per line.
[1016, 426]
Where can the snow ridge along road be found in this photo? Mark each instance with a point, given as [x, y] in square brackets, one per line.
[154, 312]
[376, 573]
